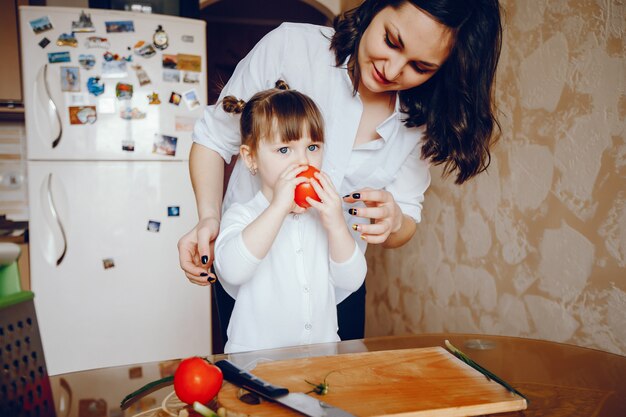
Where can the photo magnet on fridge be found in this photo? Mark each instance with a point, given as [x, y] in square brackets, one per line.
[144, 49]
[44, 42]
[164, 145]
[82, 115]
[108, 263]
[171, 75]
[169, 61]
[184, 124]
[132, 114]
[191, 77]
[189, 62]
[87, 61]
[56, 57]
[173, 211]
[175, 98]
[191, 99]
[128, 145]
[154, 99]
[120, 26]
[114, 69]
[83, 24]
[70, 79]
[41, 25]
[97, 42]
[95, 86]
[123, 91]
[67, 39]
[187, 38]
[153, 226]
[142, 75]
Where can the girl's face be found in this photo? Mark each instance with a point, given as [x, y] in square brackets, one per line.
[401, 49]
[273, 156]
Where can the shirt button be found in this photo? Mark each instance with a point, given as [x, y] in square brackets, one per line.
[299, 251]
[296, 216]
[306, 289]
[308, 326]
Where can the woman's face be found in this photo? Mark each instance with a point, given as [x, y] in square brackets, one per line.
[401, 49]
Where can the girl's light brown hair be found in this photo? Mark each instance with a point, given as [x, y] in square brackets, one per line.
[278, 111]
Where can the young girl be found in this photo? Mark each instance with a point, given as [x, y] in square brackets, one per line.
[280, 262]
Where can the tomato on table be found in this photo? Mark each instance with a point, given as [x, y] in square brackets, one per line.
[196, 379]
[305, 189]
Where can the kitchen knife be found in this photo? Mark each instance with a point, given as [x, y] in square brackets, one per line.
[297, 401]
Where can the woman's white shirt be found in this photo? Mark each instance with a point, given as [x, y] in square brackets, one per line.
[288, 297]
[299, 54]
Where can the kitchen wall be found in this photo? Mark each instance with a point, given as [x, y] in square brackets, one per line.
[535, 247]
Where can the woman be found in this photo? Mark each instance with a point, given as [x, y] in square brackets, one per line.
[401, 84]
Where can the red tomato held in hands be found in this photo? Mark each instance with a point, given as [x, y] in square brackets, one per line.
[196, 379]
[305, 189]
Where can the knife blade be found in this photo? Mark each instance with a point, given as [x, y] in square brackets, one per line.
[298, 401]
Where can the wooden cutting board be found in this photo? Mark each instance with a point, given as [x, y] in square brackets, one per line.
[407, 383]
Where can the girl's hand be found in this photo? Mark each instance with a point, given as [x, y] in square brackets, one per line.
[330, 208]
[284, 189]
[382, 210]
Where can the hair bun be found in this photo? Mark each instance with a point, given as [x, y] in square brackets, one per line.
[281, 85]
[232, 104]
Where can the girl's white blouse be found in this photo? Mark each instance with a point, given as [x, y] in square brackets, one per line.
[288, 297]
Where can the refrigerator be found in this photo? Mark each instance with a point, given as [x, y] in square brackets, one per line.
[110, 101]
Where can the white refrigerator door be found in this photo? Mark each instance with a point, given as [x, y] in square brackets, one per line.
[104, 265]
[59, 106]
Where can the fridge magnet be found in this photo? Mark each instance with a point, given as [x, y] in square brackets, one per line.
[83, 24]
[108, 56]
[168, 368]
[144, 49]
[108, 263]
[191, 77]
[56, 57]
[142, 75]
[171, 75]
[189, 62]
[153, 226]
[173, 211]
[154, 98]
[128, 145]
[67, 39]
[95, 86]
[97, 42]
[87, 61]
[160, 38]
[114, 69]
[123, 91]
[120, 26]
[41, 25]
[175, 98]
[82, 115]
[44, 42]
[191, 99]
[169, 61]
[70, 79]
[164, 145]
[187, 38]
[132, 114]
[184, 124]
[135, 372]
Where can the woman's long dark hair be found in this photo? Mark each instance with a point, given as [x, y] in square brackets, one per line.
[456, 104]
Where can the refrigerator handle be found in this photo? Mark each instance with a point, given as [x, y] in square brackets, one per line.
[55, 215]
[56, 140]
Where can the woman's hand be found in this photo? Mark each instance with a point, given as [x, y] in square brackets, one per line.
[195, 251]
[382, 210]
[329, 208]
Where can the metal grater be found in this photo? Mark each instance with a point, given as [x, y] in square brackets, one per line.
[24, 384]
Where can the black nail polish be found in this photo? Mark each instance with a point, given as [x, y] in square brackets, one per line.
[356, 196]
[204, 274]
[352, 211]
[205, 259]
[211, 280]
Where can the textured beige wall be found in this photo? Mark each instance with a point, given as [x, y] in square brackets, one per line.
[536, 247]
